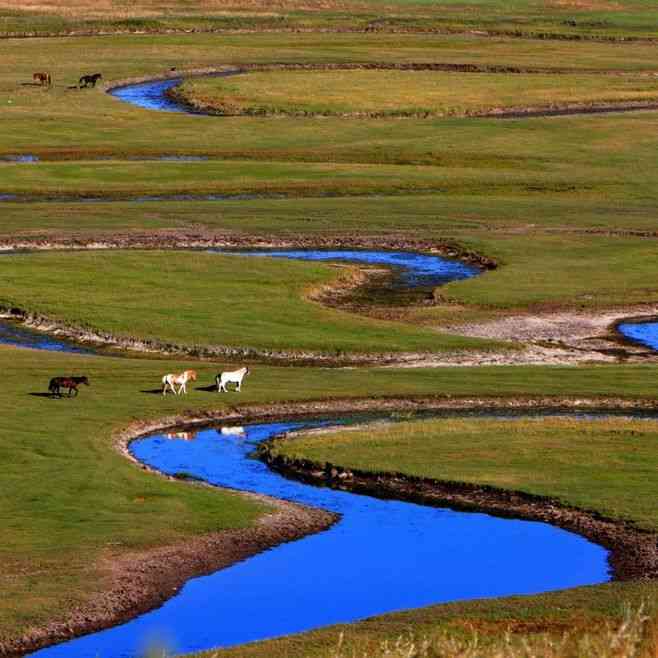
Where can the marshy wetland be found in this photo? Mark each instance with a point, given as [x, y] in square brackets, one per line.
[349, 129]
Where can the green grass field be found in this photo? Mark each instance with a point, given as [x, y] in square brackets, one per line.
[407, 93]
[73, 498]
[559, 19]
[605, 465]
[200, 299]
[566, 206]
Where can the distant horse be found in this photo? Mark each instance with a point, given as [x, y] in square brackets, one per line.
[43, 78]
[231, 377]
[171, 381]
[72, 383]
[87, 80]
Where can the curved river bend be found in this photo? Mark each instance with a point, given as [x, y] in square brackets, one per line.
[411, 270]
[383, 555]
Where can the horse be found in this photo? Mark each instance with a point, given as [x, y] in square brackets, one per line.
[87, 80]
[43, 78]
[231, 377]
[72, 383]
[171, 380]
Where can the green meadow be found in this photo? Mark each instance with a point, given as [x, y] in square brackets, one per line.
[366, 93]
[566, 206]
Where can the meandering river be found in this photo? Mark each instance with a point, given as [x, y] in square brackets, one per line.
[381, 556]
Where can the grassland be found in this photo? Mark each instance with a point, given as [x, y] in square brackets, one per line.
[556, 202]
[559, 19]
[200, 299]
[605, 465]
[73, 500]
[370, 93]
[265, 304]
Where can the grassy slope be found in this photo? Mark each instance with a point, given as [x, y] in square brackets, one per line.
[407, 93]
[72, 496]
[260, 303]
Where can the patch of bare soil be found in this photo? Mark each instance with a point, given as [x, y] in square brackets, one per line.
[573, 335]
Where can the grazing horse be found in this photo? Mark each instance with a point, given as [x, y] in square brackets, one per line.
[43, 78]
[232, 377]
[87, 80]
[72, 383]
[181, 380]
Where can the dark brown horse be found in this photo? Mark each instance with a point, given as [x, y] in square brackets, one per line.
[72, 383]
[87, 80]
[43, 78]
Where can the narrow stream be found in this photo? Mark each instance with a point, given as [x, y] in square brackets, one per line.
[383, 555]
[414, 270]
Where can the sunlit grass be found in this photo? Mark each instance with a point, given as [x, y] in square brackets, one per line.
[367, 93]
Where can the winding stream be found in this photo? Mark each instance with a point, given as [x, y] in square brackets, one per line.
[412, 270]
[382, 555]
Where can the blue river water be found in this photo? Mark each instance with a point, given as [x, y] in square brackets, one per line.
[414, 270]
[645, 333]
[12, 333]
[150, 95]
[381, 556]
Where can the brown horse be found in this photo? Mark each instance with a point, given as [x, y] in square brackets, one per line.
[43, 78]
[72, 383]
[87, 80]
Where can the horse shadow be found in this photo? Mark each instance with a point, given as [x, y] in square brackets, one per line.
[31, 84]
[44, 395]
[211, 388]
[153, 391]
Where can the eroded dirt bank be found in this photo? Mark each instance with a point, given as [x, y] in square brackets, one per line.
[633, 550]
[138, 582]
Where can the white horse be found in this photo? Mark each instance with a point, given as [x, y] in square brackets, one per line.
[181, 380]
[232, 377]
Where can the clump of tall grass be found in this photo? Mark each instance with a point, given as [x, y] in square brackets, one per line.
[634, 637]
